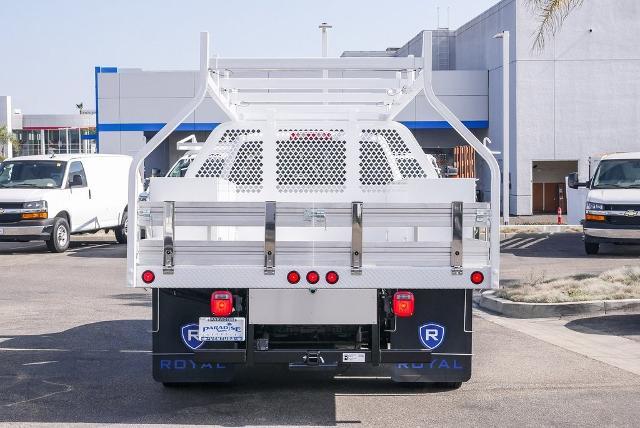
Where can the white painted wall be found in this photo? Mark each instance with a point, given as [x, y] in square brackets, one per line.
[58, 120]
[577, 98]
[133, 96]
[477, 49]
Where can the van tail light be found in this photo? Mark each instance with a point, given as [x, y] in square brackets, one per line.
[477, 277]
[148, 277]
[403, 304]
[221, 303]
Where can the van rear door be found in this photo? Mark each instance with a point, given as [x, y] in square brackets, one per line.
[81, 205]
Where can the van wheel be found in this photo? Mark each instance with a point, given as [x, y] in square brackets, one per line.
[60, 236]
[121, 232]
[591, 248]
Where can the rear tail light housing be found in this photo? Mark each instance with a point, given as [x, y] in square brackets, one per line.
[477, 277]
[293, 277]
[148, 277]
[313, 277]
[332, 277]
[403, 304]
[221, 303]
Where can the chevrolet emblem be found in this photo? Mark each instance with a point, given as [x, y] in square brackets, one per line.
[1, 210]
[629, 213]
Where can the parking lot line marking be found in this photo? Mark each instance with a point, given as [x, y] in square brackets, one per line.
[510, 240]
[4, 339]
[67, 389]
[35, 349]
[38, 363]
[518, 243]
[134, 351]
[534, 242]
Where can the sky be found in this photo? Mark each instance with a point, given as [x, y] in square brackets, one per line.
[50, 48]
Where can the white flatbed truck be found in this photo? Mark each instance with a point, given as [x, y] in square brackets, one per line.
[311, 230]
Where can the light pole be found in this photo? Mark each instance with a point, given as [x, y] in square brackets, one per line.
[325, 48]
[505, 124]
[325, 44]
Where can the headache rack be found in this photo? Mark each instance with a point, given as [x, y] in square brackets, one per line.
[434, 244]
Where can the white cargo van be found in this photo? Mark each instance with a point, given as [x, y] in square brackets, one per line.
[612, 211]
[50, 197]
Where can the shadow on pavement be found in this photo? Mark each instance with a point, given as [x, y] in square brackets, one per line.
[101, 373]
[617, 325]
[97, 249]
[80, 246]
[134, 299]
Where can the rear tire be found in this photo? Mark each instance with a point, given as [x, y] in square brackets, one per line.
[591, 248]
[60, 236]
[121, 232]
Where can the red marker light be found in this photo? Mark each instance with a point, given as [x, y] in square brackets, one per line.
[221, 303]
[313, 277]
[403, 304]
[477, 277]
[148, 277]
[293, 277]
[332, 277]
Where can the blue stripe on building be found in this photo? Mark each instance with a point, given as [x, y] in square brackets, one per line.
[208, 126]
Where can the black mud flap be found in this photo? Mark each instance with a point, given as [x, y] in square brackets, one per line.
[175, 343]
[441, 324]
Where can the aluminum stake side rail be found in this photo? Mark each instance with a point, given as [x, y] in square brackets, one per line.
[311, 229]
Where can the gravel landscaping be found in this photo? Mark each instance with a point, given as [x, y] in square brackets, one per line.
[614, 284]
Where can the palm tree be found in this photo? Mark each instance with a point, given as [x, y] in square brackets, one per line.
[80, 106]
[551, 14]
[6, 138]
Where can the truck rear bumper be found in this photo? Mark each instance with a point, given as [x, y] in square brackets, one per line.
[303, 357]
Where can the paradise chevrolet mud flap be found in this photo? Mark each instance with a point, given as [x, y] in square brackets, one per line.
[441, 324]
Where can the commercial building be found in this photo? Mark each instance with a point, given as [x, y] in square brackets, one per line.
[48, 133]
[576, 99]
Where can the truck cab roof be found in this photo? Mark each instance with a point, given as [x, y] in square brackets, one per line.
[617, 156]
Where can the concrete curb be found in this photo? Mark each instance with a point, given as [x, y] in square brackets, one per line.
[554, 310]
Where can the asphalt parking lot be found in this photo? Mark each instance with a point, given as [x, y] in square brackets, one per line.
[74, 348]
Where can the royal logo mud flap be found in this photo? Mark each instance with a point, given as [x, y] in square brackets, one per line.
[450, 368]
[441, 324]
[184, 368]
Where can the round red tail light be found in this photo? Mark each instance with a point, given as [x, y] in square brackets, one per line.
[293, 277]
[148, 277]
[477, 277]
[313, 277]
[332, 277]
